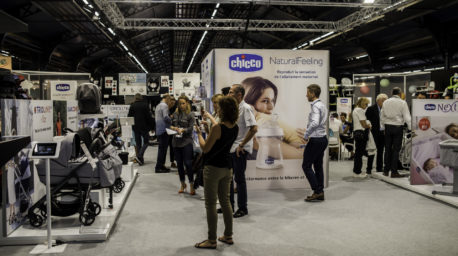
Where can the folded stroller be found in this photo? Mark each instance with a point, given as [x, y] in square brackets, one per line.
[86, 161]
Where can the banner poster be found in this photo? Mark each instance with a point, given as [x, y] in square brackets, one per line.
[108, 82]
[72, 115]
[18, 190]
[275, 83]
[132, 83]
[16, 117]
[185, 83]
[42, 120]
[207, 76]
[59, 117]
[165, 81]
[433, 121]
[113, 112]
[63, 90]
[344, 105]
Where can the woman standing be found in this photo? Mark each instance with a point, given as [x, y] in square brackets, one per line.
[212, 119]
[182, 123]
[217, 170]
[361, 129]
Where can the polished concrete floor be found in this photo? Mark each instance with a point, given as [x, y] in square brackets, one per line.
[359, 217]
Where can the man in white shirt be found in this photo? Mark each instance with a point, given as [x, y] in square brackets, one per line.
[242, 145]
[394, 114]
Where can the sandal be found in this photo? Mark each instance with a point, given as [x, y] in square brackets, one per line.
[226, 239]
[202, 245]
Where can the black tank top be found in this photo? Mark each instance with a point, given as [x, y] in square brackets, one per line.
[219, 154]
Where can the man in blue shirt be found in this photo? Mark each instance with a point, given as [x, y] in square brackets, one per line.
[162, 121]
[316, 142]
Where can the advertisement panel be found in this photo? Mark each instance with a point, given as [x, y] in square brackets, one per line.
[108, 82]
[42, 120]
[16, 117]
[207, 75]
[63, 90]
[5, 62]
[72, 115]
[433, 121]
[59, 117]
[275, 83]
[344, 105]
[132, 83]
[185, 83]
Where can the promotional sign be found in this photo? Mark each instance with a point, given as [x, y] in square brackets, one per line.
[63, 90]
[113, 112]
[108, 82]
[185, 83]
[114, 91]
[16, 117]
[72, 115]
[131, 83]
[42, 120]
[207, 75]
[344, 105]
[164, 81]
[5, 62]
[275, 83]
[59, 117]
[433, 121]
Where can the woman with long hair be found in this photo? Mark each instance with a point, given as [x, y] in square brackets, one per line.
[217, 170]
[182, 123]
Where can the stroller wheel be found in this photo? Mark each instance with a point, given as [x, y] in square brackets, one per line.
[35, 220]
[87, 218]
[43, 213]
[94, 208]
[118, 185]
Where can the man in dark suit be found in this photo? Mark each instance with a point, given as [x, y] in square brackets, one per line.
[373, 115]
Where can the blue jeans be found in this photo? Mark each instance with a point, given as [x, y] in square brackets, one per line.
[184, 156]
[239, 167]
[141, 147]
[313, 155]
[163, 140]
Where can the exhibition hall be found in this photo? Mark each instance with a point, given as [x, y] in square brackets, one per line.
[203, 127]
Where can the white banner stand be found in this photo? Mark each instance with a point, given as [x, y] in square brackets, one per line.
[47, 151]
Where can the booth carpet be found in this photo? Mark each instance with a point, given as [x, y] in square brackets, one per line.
[359, 217]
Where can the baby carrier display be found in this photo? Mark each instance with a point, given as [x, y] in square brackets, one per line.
[89, 98]
[86, 161]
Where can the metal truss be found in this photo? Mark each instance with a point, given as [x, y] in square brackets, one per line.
[111, 10]
[228, 24]
[354, 4]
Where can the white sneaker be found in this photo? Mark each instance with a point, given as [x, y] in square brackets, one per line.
[361, 175]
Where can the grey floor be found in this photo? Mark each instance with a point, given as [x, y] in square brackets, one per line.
[359, 217]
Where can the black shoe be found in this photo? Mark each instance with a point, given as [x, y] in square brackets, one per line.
[162, 171]
[139, 160]
[240, 213]
[165, 168]
[315, 197]
[397, 175]
[219, 210]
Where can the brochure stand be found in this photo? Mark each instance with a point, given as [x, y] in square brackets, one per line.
[47, 151]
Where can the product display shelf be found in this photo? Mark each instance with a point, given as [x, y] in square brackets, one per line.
[425, 190]
[68, 229]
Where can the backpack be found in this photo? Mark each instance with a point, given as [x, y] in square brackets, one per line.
[89, 98]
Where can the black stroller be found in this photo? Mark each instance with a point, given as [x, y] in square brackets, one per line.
[86, 161]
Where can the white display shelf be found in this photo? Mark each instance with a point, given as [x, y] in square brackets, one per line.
[425, 190]
[69, 228]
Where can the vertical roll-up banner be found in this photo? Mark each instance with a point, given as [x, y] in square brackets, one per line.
[72, 115]
[275, 83]
[42, 120]
[344, 105]
[433, 121]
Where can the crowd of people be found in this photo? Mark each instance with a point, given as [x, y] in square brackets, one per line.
[373, 131]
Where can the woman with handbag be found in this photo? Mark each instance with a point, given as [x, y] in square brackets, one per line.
[361, 130]
[182, 123]
[217, 170]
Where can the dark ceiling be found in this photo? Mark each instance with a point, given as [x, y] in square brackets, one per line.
[66, 35]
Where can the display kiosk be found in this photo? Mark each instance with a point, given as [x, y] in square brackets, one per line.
[47, 151]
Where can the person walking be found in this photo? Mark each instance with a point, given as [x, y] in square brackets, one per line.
[172, 109]
[163, 121]
[217, 170]
[395, 113]
[373, 114]
[182, 123]
[361, 129]
[316, 142]
[143, 123]
[241, 147]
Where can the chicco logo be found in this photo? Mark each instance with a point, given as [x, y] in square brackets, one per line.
[343, 100]
[245, 62]
[63, 87]
[430, 107]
